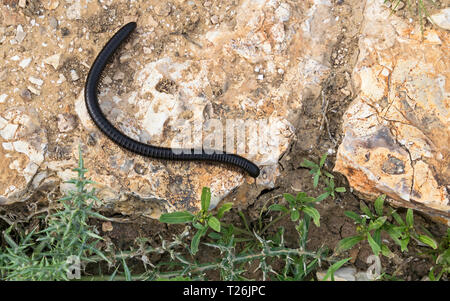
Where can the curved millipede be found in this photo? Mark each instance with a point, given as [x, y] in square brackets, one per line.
[156, 152]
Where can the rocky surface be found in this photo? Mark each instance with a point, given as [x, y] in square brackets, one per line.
[397, 131]
[189, 64]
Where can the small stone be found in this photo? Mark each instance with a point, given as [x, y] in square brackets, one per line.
[214, 19]
[125, 58]
[61, 79]
[53, 60]
[207, 4]
[22, 3]
[9, 131]
[36, 81]
[283, 12]
[119, 75]
[107, 227]
[20, 34]
[15, 58]
[163, 9]
[25, 94]
[107, 80]
[53, 22]
[25, 62]
[74, 75]
[3, 98]
[73, 12]
[442, 19]
[66, 122]
[34, 91]
[260, 77]
[51, 4]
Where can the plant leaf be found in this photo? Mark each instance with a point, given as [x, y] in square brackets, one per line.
[277, 207]
[214, 223]
[409, 218]
[374, 245]
[427, 240]
[313, 213]
[348, 242]
[206, 198]
[333, 268]
[295, 215]
[379, 203]
[225, 207]
[177, 217]
[378, 223]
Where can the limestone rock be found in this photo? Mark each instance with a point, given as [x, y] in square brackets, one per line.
[397, 131]
[158, 89]
[23, 147]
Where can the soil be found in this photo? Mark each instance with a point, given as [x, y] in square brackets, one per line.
[316, 133]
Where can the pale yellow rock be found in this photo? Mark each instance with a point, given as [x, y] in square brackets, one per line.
[397, 131]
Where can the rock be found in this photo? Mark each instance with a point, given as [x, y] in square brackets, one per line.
[51, 4]
[397, 129]
[25, 94]
[25, 62]
[22, 3]
[165, 97]
[107, 227]
[20, 34]
[53, 22]
[342, 274]
[442, 18]
[163, 9]
[24, 143]
[53, 60]
[74, 75]
[66, 122]
[73, 12]
[3, 98]
[36, 81]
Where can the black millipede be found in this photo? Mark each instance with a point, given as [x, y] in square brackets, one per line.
[156, 152]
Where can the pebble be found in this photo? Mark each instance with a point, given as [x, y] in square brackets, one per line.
[36, 81]
[25, 94]
[25, 62]
[53, 60]
[53, 22]
[34, 91]
[163, 9]
[119, 75]
[125, 58]
[442, 19]
[214, 19]
[20, 34]
[74, 75]
[66, 122]
[3, 98]
[22, 3]
[283, 12]
[73, 12]
[9, 131]
[51, 4]
[61, 79]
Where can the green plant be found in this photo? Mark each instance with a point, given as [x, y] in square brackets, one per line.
[256, 245]
[43, 255]
[202, 221]
[318, 171]
[441, 258]
[370, 226]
